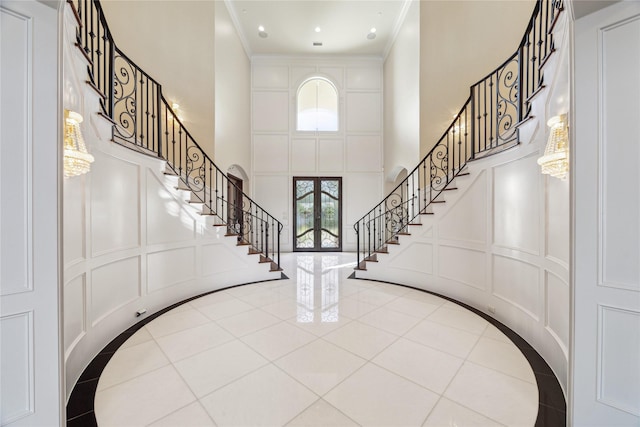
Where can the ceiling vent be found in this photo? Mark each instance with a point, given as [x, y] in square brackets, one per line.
[317, 43]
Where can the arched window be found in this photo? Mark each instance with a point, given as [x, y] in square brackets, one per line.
[317, 106]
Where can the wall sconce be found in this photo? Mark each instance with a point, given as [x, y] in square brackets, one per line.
[76, 159]
[555, 161]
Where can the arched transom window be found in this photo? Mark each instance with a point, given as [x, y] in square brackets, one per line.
[317, 106]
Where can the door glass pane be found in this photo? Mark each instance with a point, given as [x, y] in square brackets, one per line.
[304, 214]
[330, 214]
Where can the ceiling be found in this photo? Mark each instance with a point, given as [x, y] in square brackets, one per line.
[290, 26]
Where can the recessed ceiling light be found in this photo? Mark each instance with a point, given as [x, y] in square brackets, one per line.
[318, 29]
[260, 28]
[373, 30]
[317, 43]
[175, 106]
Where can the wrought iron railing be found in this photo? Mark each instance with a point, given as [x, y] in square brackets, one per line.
[144, 121]
[487, 123]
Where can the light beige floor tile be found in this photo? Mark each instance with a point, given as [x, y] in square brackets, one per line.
[450, 340]
[224, 309]
[131, 362]
[375, 297]
[360, 339]
[374, 396]
[321, 414]
[273, 396]
[448, 413]
[320, 365]
[353, 307]
[461, 319]
[248, 322]
[390, 320]
[278, 340]
[430, 368]
[172, 323]
[396, 290]
[262, 297]
[193, 341]
[426, 297]
[284, 309]
[192, 415]
[313, 322]
[142, 400]
[505, 399]
[502, 357]
[212, 369]
[412, 307]
[213, 298]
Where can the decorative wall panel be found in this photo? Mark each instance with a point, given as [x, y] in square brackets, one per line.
[167, 221]
[270, 111]
[416, 257]
[113, 285]
[74, 220]
[463, 265]
[363, 190]
[303, 155]
[556, 303]
[16, 370]
[363, 154]
[218, 259]
[557, 212]
[364, 78]
[74, 310]
[298, 75]
[619, 251]
[516, 221]
[364, 112]
[271, 77]
[618, 356]
[16, 154]
[335, 73]
[114, 225]
[274, 194]
[270, 153]
[518, 283]
[467, 220]
[167, 268]
[330, 155]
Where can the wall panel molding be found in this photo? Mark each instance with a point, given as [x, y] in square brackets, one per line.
[17, 369]
[618, 354]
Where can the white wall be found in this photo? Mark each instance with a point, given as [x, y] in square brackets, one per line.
[402, 99]
[460, 43]
[233, 97]
[605, 357]
[280, 152]
[131, 241]
[500, 243]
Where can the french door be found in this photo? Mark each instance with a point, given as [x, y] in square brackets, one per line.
[317, 219]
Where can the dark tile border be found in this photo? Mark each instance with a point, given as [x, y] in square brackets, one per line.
[552, 406]
[81, 402]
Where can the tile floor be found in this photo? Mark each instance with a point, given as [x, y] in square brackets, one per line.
[317, 349]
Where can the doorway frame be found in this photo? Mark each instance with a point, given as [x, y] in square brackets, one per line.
[316, 198]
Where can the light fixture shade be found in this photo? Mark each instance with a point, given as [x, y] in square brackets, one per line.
[76, 159]
[555, 161]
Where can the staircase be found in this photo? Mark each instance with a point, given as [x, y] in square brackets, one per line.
[143, 120]
[487, 124]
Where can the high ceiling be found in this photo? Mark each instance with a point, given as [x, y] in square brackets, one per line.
[290, 27]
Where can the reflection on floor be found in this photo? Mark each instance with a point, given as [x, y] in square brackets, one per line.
[318, 349]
